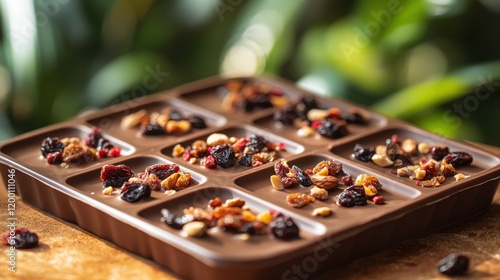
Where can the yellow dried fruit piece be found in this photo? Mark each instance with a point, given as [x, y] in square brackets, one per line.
[178, 150]
[184, 126]
[265, 217]
[248, 216]
[370, 190]
[423, 148]
[305, 131]
[322, 211]
[169, 183]
[276, 182]
[322, 172]
[183, 180]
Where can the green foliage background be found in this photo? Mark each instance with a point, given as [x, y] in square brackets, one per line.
[433, 63]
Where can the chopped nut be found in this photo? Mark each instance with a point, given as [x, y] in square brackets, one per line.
[234, 202]
[317, 114]
[183, 181]
[423, 148]
[194, 229]
[381, 150]
[178, 150]
[153, 181]
[382, 161]
[298, 200]
[319, 193]
[460, 176]
[135, 180]
[215, 139]
[420, 174]
[169, 183]
[305, 131]
[322, 211]
[170, 192]
[193, 160]
[108, 191]
[276, 182]
[409, 145]
[325, 182]
[133, 119]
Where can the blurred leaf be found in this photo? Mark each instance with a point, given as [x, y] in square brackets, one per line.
[120, 75]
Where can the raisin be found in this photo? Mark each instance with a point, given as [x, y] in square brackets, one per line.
[22, 238]
[352, 196]
[454, 264]
[302, 177]
[175, 221]
[284, 228]
[355, 118]
[286, 115]
[288, 182]
[458, 159]
[152, 128]
[115, 175]
[224, 155]
[104, 144]
[245, 160]
[391, 150]
[162, 170]
[197, 122]
[439, 152]
[255, 144]
[347, 180]
[332, 129]
[51, 145]
[93, 137]
[134, 191]
[175, 116]
[363, 153]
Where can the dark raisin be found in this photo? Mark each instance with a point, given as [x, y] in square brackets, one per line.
[458, 159]
[54, 158]
[309, 102]
[245, 160]
[152, 128]
[255, 144]
[51, 145]
[439, 152]
[302, 177]
[175, 116]
[104, 144]
[93, 137]
[391, 150]
[162, 170]
[454, 264]
[224, 155]
[355, 118]
[363, 153]
[134, 191]
[175, 221]
[285, 115]
[352, 196]
[284, 228]
[229, 222]
[288, 182]
[261, 101]
[197, 122]
[22, 238]
[333, 129]
[115, 175]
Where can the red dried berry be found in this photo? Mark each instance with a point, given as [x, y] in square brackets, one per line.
[102, 153]
[347, 180]
[209, 162]
[162, 170]
[115, 175]
[378, 199]
[54, 158]
[115, 152]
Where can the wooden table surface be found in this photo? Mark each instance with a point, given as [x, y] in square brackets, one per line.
[68, 252]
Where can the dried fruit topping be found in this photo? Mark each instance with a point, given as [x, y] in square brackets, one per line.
[333, 129]
[454, 264]
[195, 229]
[439, 152]
[347, 180]
[363, 153]
[299, 200]
[175, 221]
[51, 145]
[115, 175]
[134, 191]
[458, 159]
[152, 128]
[224, 155]
[352, 196]
[162, 170]
[20, 238]
[322, 211]
[284, 228]
[302, 177]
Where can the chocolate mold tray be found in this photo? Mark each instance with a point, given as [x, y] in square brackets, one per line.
[75, 193]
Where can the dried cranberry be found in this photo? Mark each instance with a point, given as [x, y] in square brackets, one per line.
[363, 153]
[454, 264]
[175, 221]
[162, 170]
[302, 177]
[352, 196]
[378, 199]
[152, 128]
[333, 129]
[134, 191]
[51, 145]
[224, 155]
[197, 122]
[209, 162]
[115, 175]
[54, 158]
[115, 151]
[284, 228]
[347, 180]
[439, 152]
[458, 159]
[22, 238]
